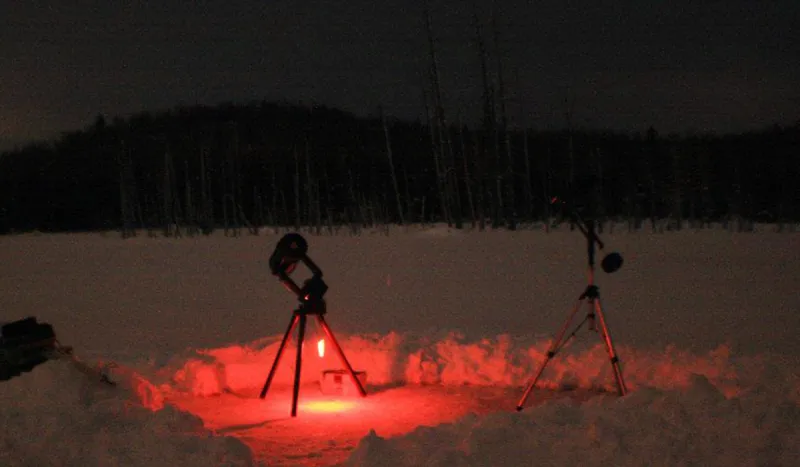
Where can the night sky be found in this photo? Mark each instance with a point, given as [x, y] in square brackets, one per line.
[627, 64]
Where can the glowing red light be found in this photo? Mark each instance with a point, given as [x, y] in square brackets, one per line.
[328, 406]
[321, 348]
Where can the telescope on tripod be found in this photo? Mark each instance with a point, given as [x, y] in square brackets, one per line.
[591, 298]
[292, 249]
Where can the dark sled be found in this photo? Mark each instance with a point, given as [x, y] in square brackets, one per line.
[27, 343]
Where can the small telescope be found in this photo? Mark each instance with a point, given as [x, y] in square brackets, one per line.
[591, 298]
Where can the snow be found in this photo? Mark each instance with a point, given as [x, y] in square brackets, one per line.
[694, 426]
[448, 325]
[56, 416]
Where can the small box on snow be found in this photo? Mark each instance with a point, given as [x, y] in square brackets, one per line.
[339, 383]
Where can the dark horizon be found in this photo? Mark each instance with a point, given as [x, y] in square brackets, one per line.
[720, 67]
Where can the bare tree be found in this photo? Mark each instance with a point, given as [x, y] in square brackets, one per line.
[490, 131]
[311, 205]
[528, 175]
[297, 220]
[129, 206]
[391, 167]
[206, 217]
[503, 133]
[189, 208]
[171, 216]
[467, 177]
[437, 123]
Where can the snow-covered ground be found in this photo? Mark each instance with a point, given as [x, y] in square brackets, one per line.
[448, 326]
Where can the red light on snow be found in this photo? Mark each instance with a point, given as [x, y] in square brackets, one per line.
[331, 406]
[321, 348]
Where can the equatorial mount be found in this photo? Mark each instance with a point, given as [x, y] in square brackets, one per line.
[612, 262]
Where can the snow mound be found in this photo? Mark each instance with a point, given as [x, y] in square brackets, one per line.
[697, 425]
[453, 360]
[713, 408]
[388, 359]
[55, 415]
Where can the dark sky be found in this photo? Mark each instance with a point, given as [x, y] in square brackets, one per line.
[625, 64]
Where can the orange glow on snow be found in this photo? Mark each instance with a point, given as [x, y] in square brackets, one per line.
[321, 347]
[328, 406]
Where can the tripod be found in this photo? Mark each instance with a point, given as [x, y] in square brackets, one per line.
[291, 249]
[591, 298]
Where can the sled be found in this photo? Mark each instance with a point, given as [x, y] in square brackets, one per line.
[27, 343]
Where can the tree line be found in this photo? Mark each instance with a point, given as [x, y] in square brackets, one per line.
[240, 167]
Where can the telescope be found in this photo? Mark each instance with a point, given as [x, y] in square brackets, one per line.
[291, 250]
[590, 297]
[611, 262]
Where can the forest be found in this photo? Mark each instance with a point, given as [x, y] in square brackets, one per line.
[240, 167]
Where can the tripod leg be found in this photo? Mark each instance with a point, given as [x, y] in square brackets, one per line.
[324, 325]
[289, 330]
[551, 352]
[590, 317]
[610, 347]
[296, 389]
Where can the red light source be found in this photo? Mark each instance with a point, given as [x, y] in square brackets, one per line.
[321, 348]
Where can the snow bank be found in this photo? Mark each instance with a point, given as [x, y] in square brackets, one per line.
[55, 416]
[713, 408]
[452, 359]
[695, 426]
